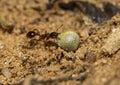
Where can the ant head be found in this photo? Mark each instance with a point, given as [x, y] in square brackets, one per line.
[54, 34]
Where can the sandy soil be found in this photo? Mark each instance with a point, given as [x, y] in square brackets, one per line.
[25, 61]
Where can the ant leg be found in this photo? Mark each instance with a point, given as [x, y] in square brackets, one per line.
[32, 43]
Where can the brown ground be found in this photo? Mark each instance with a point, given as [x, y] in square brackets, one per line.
[95, 62]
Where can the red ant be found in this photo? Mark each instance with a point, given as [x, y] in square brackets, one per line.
[45, 36]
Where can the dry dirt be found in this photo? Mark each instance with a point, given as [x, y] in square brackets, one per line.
[25, 61]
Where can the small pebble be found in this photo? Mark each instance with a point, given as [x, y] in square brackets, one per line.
[6, 72]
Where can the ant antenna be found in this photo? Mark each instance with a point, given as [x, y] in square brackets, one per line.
[59, 27]
[54, 34]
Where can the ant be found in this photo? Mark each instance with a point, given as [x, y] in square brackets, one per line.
[45, 36]
[32, 34]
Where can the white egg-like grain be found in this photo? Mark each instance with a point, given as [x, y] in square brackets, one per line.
[69, 40]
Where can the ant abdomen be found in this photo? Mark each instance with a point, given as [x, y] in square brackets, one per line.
[32, 33]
